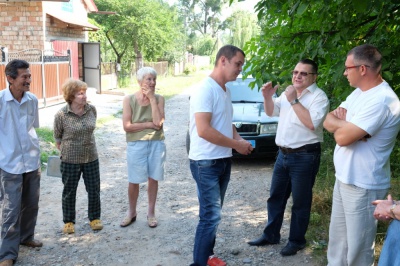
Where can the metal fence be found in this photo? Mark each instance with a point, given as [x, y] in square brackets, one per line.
[49, 70]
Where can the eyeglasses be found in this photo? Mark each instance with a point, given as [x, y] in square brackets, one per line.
[303, 74]
[350, 67]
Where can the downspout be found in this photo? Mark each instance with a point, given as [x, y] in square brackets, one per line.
[44, 39]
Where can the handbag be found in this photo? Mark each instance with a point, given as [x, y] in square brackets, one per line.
[53, 166]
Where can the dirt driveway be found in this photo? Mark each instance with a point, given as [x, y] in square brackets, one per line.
[170, 244]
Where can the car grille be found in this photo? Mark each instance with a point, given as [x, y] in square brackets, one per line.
[246, 128]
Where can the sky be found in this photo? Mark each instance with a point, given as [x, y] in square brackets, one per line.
[244, 5]
[247, 4]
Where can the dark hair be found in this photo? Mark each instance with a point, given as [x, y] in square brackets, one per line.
[229, 51]
[13, 66]
[314, 65]
[367, 54]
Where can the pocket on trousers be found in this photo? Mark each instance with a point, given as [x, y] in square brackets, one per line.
[206, 163]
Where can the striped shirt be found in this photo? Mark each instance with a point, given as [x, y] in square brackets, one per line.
[75, 133]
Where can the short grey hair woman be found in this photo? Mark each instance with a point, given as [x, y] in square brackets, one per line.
[143, 119]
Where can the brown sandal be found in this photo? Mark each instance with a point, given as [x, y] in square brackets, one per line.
[152, 222]
[127, 221]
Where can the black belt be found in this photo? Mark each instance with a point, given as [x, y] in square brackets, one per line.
[307, 148]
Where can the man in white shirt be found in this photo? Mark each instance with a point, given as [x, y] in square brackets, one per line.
[212, 138]
[19, 163]
[365, 127]
[301, 109]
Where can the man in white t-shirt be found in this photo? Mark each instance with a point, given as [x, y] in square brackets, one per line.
[212, 138]
[365, 127]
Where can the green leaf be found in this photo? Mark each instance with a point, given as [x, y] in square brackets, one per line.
[302, 8]
[387, 75]
[360, 5]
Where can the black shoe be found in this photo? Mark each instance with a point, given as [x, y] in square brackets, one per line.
[290, 250]
[260, 242]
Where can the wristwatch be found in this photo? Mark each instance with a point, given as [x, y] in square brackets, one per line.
[294, 101]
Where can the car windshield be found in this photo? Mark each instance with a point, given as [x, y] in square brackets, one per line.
[241, 91]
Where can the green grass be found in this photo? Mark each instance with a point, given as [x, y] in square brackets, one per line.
[47, 144]
[169, 86]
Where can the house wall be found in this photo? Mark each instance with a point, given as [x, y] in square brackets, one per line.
[58, 30]
[21, 25]
[55, 30]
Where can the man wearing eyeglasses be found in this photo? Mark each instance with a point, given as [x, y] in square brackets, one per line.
[301, 109]
[365, 127]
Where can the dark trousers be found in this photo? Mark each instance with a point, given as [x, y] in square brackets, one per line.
[19, 199]
[294, 173]
[71, 174]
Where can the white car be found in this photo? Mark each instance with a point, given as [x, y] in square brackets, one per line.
[250, 119]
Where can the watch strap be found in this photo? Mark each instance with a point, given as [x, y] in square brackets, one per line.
[294, 101]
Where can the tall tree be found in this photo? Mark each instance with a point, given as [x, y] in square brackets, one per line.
[141, 28]
[203, 16]
[241, 27]
[324, 31]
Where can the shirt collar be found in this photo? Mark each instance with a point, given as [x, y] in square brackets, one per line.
[69, 110]
[9, 97]
[312, 87]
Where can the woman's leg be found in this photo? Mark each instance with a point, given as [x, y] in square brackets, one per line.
[133, 194]
[71, 174]
[152, 196]
[91, 178]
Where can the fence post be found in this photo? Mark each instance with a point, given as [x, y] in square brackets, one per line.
[4, 54]
[70, 65]
[43, 80]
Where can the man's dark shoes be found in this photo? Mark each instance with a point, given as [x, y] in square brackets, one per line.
[260, 242]
[33, 243]
[290, 250]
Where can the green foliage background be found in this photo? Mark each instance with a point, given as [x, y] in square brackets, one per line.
[324, 31]
[149, 27]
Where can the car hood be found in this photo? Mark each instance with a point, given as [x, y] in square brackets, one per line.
[251, 113]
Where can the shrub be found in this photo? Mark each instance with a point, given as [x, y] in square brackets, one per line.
[189, 69]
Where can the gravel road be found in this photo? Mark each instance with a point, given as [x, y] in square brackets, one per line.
[170, 244]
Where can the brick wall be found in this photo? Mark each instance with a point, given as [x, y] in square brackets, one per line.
[57, 30]
[21, 26]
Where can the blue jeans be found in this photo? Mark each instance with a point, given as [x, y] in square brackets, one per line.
[294, 173]
[212, 178]
[390, 251]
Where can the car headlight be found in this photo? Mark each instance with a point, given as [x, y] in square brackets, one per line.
[268, 128]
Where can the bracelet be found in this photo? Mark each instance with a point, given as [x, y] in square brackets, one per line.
[392, 210]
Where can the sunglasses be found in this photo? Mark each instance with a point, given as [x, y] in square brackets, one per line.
[303, 74]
